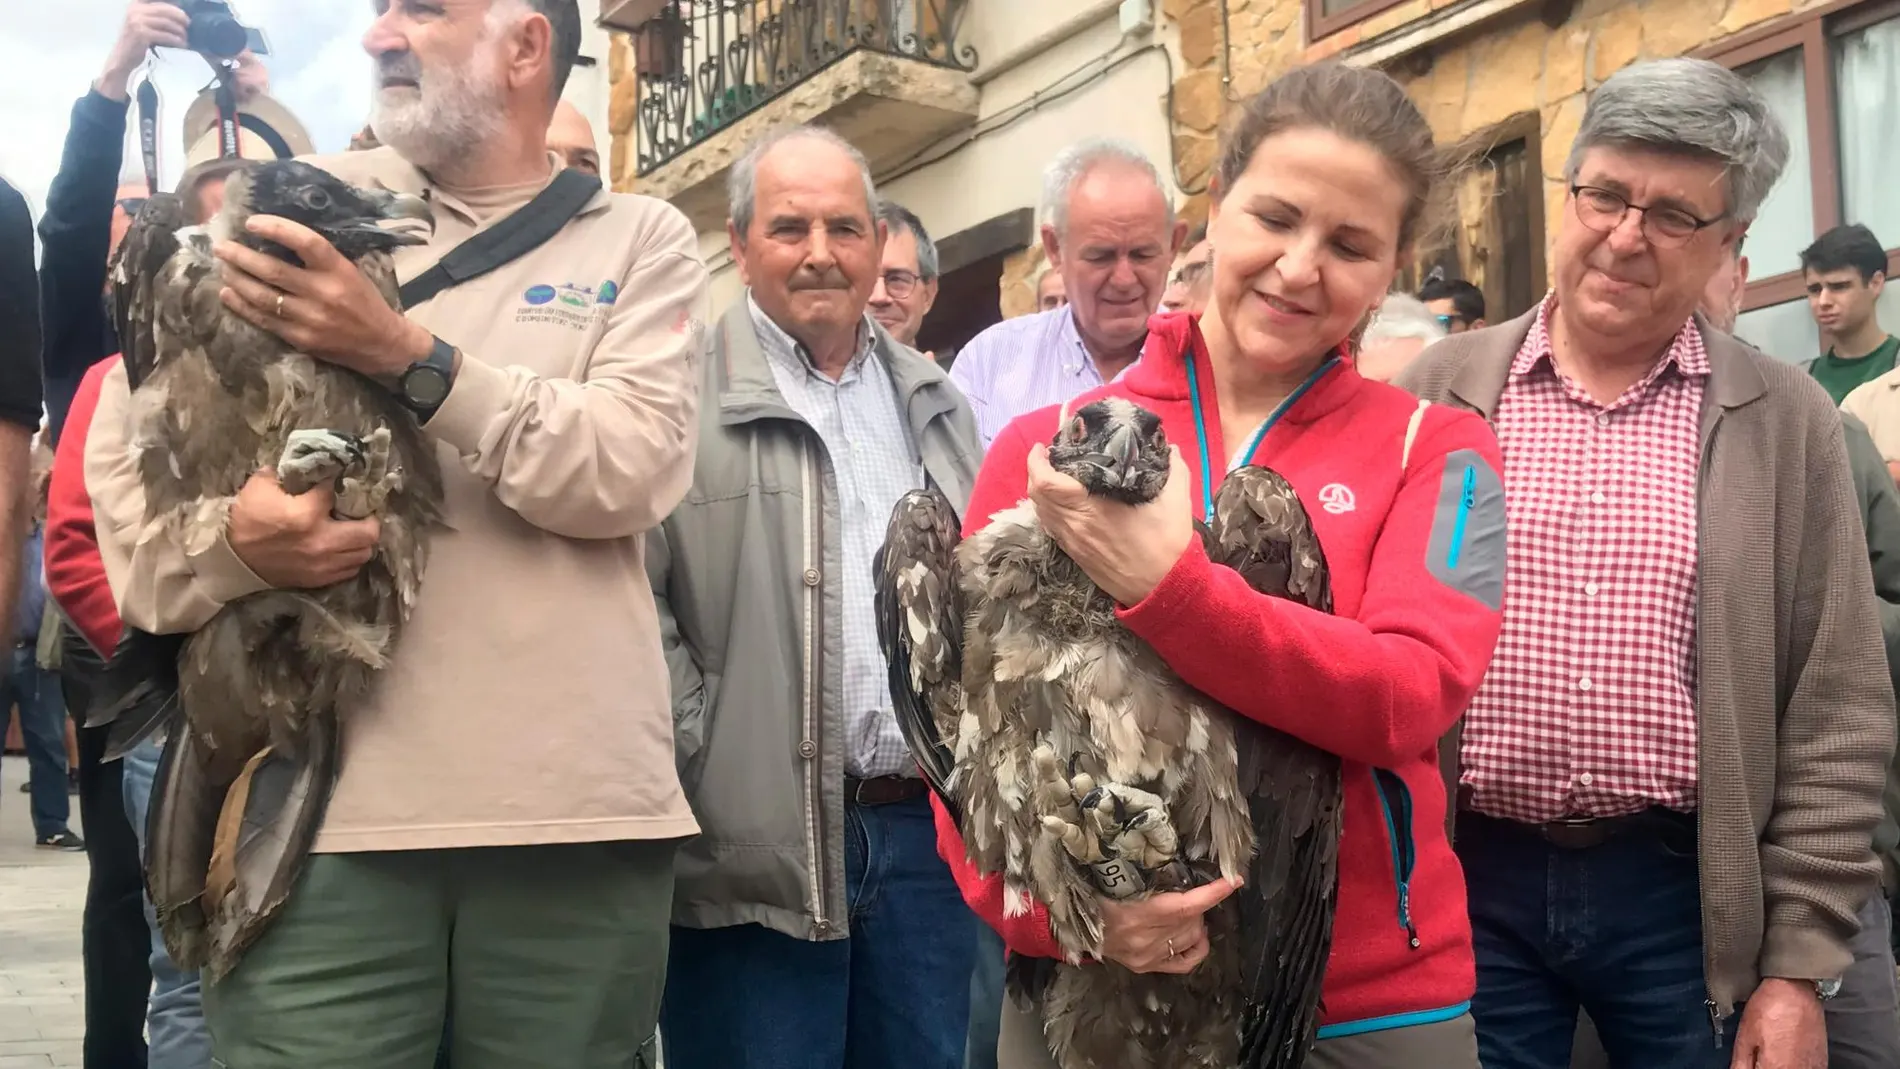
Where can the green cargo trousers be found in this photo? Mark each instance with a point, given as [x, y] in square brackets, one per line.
[544, 956]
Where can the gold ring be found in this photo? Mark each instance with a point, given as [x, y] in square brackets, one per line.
[280, 306]
[1170, 948]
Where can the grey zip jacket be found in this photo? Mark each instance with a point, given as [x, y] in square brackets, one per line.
[750, 618]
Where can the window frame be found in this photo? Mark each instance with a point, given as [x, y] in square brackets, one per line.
[1320, 25]
[1812, 33]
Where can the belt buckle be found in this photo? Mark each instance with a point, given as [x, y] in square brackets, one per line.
[1573, 833]
[858, 791]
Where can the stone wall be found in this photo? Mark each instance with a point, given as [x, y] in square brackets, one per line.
[1467, 83]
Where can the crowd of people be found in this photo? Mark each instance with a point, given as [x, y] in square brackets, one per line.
[1616, 596]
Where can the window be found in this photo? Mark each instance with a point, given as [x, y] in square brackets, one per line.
[1326, 17]
[1497, 243]
[1832, 76]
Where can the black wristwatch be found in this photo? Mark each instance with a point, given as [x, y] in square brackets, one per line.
[425, 385]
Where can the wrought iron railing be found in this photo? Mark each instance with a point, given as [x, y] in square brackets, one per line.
[704, 63]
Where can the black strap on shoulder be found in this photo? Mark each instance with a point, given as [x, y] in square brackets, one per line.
[525, 229]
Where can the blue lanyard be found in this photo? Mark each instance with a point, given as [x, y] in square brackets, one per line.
[1253, 442]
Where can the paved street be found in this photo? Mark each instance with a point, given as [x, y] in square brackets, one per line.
[41, 892]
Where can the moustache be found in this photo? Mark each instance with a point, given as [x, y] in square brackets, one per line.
[398, 66]
[831, 280]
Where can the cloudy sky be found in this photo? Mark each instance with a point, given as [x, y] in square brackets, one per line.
[51, 50]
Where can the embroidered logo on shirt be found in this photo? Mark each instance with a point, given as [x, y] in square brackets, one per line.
[1336, 498]
[567, 305]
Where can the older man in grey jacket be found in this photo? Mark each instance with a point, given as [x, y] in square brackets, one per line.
[814, 924]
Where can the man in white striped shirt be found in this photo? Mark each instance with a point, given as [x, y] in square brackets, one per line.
[1111, 232]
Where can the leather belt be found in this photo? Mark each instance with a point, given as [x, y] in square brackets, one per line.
[1584, 833]
[883, 790]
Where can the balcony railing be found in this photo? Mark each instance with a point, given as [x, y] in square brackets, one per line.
[704, 63]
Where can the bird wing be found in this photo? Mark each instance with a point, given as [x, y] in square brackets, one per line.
[136, 274]
[1261, 530]
[920, 627]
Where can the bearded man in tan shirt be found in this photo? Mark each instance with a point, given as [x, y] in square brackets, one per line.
[499, 846]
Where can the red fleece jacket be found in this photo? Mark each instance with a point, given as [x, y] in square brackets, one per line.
[1417, 563]
[75, 576]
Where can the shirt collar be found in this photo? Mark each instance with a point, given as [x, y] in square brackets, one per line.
[790, 354]
[1071, 350]
[1686, 353]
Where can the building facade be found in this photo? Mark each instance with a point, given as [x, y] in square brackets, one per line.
[959, 104]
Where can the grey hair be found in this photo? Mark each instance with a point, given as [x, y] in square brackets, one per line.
[1693, 107]
[1402, 315]
[1074, 163]
[742, 183]
[897, 217]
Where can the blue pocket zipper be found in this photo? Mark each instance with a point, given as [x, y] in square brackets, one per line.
[1466, 500]
[1395, 801]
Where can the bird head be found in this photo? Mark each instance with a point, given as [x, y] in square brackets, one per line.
[1114, 448]
[347, 216]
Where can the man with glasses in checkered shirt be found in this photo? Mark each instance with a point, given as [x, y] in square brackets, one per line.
[1668, 783]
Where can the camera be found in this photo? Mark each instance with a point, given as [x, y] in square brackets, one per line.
[216, 32]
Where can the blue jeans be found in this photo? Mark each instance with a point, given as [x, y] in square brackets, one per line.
[1615, 930]
[896, 993]
[43, 727]
[175, 1021]
[986, 999]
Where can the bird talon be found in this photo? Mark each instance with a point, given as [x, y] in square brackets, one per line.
[314, 457]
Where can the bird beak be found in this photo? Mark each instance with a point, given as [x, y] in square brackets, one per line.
[1121, 449]
[391, 207]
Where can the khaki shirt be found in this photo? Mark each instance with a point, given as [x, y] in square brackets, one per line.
[528, 701]
[1877, 403]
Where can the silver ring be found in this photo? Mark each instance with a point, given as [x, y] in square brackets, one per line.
[280, 306]
[1170, 948]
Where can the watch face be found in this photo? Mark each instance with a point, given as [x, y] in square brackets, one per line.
[425, 386]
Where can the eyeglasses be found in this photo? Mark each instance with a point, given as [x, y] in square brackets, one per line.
[1668, 228]
[131, 205]
[899, 283]
[1448, 320]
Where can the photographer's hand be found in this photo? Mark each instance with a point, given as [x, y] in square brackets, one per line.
[149, 24]
[253, 79]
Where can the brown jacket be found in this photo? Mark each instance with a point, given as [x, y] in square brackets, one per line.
[1792, 693]
[528, 700]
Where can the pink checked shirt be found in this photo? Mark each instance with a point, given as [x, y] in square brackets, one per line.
[1589, 707]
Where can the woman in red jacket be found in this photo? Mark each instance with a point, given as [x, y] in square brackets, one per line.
[1324, 184]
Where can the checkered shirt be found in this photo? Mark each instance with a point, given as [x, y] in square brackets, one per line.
[873, 462]
[1589, 706]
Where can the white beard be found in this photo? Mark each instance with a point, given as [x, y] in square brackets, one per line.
[445, 119]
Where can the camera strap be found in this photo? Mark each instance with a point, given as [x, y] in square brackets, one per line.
[227, 115]
[148, 130]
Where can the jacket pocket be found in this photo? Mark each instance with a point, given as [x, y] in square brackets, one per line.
[690, 728]
[1466, 547]
[1395, 804]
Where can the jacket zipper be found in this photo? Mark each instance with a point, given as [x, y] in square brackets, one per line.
[814, 801]
[1389, 785]
[1466, 501]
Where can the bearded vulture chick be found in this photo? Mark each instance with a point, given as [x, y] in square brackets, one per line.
[247, 775]
[1081, 767]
